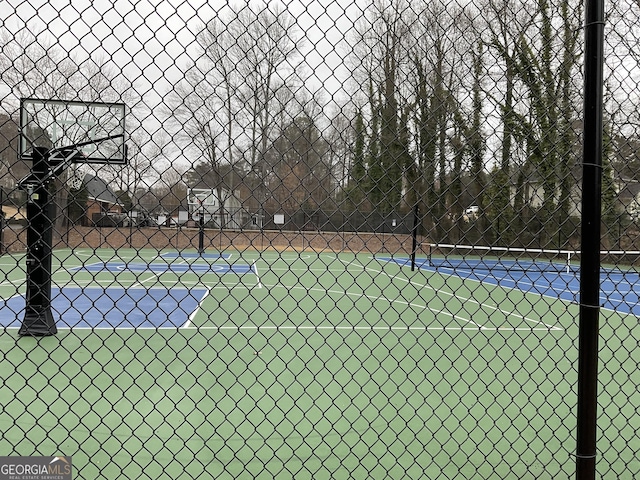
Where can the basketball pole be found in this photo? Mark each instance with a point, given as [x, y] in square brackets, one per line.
[38, 318]
[46, 166]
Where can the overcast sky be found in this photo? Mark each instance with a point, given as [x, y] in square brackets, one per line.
[152, 41]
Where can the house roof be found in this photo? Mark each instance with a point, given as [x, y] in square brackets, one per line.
[97, 189]
[629, 189]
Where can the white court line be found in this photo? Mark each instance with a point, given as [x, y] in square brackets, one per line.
[510, 282]
[436, 311]
[428, 308]
[152, 275]
[111, 328]
[311, 328]
[475, 327]
[286, 258]
[196, 310]
[187, 324]
[553, 286]
[371, 328]
[255, 268]
[377, 297]
[77, 268]
[13, 283]
[463, 299]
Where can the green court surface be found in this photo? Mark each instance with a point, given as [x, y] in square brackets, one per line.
[306, 365]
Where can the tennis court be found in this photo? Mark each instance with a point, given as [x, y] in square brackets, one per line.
[297, 365]
[105, 290]
[553, 273]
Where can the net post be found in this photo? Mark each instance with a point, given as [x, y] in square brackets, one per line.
[414, 235]
[38, 319]
[201, 229]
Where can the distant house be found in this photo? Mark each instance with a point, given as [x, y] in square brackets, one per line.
[527, 185]
[629, 197]
[627, 193]
[101, 200]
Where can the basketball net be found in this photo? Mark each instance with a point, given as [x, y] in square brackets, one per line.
[74, 178]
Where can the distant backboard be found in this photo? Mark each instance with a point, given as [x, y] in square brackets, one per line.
[202, 200]
[61, 123]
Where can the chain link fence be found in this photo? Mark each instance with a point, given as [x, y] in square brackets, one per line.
[382, 276]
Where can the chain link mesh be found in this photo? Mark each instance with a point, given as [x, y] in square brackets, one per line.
[384, 282]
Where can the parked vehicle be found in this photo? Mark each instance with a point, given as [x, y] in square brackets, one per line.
[111, 219]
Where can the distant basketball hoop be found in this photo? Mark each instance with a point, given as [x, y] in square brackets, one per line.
[203, 204]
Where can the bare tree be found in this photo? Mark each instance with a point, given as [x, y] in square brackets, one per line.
[170, 190]
[33, 68]
[195, 108]
[143, 154]
[246, 63]
[266, 46]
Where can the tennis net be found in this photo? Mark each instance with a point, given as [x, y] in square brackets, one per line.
[476, 257]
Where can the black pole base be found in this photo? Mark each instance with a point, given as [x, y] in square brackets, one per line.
[38, 324]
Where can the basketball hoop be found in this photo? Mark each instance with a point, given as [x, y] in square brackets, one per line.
[75, 179]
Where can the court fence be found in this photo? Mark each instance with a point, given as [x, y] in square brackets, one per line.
[382, 239]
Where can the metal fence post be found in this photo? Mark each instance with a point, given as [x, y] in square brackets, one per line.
[590, 259]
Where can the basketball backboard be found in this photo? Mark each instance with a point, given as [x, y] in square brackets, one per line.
[203, 203]
[96, 129]
[202, 199]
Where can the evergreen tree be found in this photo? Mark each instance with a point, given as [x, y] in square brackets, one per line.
[357, 175]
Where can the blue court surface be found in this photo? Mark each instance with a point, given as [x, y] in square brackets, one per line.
[160, 267]
[196, 255]
[617, 287]
[96, 307]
